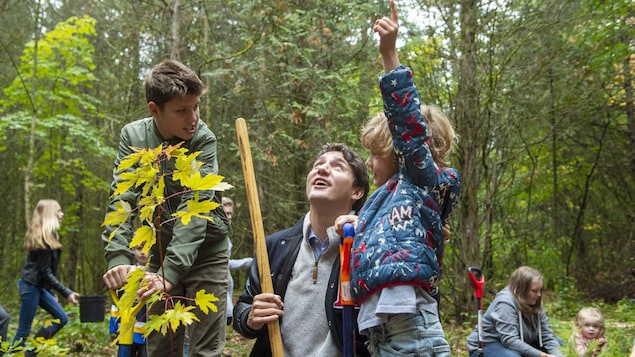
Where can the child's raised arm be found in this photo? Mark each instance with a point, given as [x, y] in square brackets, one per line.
[387, 29]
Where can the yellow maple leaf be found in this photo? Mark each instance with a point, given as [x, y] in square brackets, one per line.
[205, 301]
[140, 171]
[186, 166]
[174, 150]
[128, 179]
[119, 215]
[155, 323]
[144, 235]
[131, 159]
[146, 177]
[171, 318]
[151, 156]
[209, 182]
[147, 207]
[126, 303]
[180, 314]
[196, 209]
[158, 190]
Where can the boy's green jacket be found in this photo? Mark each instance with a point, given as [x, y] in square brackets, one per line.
[182, 245]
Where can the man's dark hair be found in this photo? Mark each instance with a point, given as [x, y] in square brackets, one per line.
[359, 169]
[171, 79]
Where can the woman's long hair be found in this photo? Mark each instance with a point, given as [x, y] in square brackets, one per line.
[42, 232]
[520, 283]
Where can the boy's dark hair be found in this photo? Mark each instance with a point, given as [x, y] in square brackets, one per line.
[171, 79]
[359, 169]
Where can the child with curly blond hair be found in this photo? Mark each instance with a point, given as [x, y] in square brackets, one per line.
[588, 338]
[396, 252]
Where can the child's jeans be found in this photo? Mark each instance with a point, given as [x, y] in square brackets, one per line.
[419, 335]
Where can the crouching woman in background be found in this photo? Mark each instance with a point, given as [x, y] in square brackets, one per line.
[515, 323]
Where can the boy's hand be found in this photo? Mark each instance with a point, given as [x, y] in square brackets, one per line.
[117, 276]
[155, 282]
[387, 29]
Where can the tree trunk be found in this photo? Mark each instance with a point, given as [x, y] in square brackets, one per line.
[176, 39]
[467, 122]
[34, 113]
[629, 107]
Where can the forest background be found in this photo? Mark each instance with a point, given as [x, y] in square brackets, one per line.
[540, 92]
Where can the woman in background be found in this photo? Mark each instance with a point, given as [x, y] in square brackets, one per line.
[38, 278]
[515, 324]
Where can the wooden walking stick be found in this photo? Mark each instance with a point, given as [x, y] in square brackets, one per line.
[275, 339]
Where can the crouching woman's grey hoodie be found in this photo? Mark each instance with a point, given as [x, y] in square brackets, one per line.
[503, 323]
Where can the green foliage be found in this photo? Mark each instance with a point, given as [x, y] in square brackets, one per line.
[50, 88]
[619, 320]
[306, 81]
[625, 310]
[79, 338]
[52, 83]
[48, 94]
[63, 64]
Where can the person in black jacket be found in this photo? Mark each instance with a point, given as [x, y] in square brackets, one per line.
[4, 324]
[38, 278]
[304, 263]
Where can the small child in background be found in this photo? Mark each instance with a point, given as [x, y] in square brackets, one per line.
[234, 264]
[138, 340]
[588, 338]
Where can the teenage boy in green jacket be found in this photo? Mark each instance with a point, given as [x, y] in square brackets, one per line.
[193, 256]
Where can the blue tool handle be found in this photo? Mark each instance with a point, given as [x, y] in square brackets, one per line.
[349, 230]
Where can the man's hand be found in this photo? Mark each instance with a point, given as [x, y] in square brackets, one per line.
[266, 308]
[447, 233]
[117, 276]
